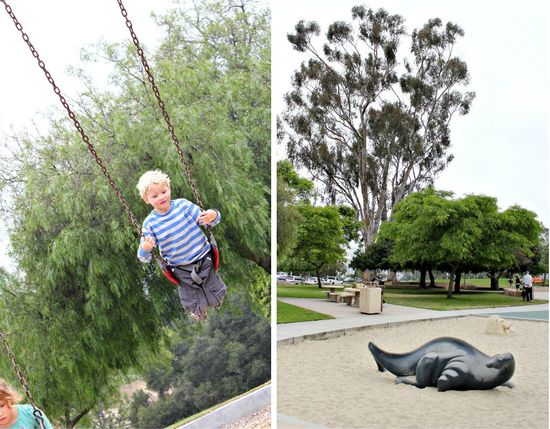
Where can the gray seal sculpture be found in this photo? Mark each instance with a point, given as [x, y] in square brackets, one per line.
[448, 364]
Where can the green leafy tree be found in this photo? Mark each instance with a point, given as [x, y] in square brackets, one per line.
[291, 190]
[227, 356]
[320, 239]
[84, 310]
[376, 256]
[542, 266]
[510, 241]
[431, 229]
[370, 130]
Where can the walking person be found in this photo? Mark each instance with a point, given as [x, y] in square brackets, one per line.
[518, 282]
[528, 285]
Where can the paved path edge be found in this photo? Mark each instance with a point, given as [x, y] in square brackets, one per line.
[346, 331]
[232, 411]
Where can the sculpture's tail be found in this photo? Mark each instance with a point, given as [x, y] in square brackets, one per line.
[375, 350]
[398, 364]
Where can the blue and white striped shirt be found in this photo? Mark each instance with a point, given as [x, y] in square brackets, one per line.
[177, 233]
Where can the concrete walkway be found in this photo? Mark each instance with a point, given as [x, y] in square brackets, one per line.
[349, 318]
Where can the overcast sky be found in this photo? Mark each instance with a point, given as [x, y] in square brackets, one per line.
[501, 146]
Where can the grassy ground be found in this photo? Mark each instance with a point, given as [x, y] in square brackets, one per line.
[480, 283]
[434, 299]
[287, 313]
[301, 291]
[215, 407]
[437, 299]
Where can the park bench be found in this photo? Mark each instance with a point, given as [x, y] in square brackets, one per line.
[347, 297]
[333, 296]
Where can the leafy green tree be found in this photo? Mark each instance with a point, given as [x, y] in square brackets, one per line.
[301, 187]
[291, 190]
[370, 131]
[288, 220]
[511, 239]
[320, 239]
[431, 229]
[84, 310]
[376, 256]
[542, 266]
[227, 356]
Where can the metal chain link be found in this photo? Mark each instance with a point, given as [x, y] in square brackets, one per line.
[37, 413]
[85, 138]
[156, 91]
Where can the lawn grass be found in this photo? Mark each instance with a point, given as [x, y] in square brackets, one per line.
[287, 313]
[301, 291]
[433, 299]
[480, 283]
[436, 299]
[215, 407]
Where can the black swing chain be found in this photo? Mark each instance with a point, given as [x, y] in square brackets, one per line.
[65, 104]
[187, 169]
[36, 412]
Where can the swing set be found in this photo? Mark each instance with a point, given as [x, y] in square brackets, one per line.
[166, 269]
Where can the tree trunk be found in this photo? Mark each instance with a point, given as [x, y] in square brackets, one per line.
[367, 276]
[318, 272]
[432, 278]
[423, 278]
[494, 281]
[457, 281]
[73, 422]
[450, 285]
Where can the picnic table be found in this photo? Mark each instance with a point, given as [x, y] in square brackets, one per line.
[333, 287]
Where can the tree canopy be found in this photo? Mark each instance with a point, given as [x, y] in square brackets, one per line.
[320, 240]
[369, 125]
[431, 229]
[291, 191]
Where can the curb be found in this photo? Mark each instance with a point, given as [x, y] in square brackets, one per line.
[346, 331]
[235, 410]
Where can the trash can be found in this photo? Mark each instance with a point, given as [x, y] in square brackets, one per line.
[370, 300]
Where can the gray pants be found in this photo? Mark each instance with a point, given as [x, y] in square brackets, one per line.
[200, 287]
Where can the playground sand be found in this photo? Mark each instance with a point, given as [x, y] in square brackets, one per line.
[335, 383]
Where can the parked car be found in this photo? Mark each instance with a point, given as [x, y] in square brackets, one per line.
[310, 281]
[331, 280]
[349, 280]
[284, 278]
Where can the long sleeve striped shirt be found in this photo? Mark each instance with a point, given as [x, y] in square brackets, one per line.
[177, 233]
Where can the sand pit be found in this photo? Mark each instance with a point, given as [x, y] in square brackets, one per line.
[335, 383]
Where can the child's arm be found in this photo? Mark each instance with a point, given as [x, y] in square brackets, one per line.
[210, 217]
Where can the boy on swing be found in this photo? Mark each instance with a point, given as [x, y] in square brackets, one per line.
[174, 226]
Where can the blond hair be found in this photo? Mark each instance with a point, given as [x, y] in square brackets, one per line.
[8, 394]
[149, 178]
